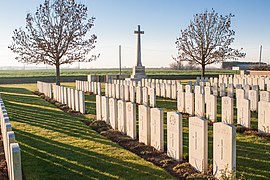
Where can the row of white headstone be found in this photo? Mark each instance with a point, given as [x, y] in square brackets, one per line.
[204, 104]
[163, 88]
[121, 115]
[139, 94]
[73, 98]
[11, 148]
[45, 88]
[262, 82]
[89, 86]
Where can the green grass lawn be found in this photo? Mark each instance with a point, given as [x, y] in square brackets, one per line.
[84, 72]
[56, 145]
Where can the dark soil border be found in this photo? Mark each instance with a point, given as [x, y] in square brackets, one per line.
[3, 163]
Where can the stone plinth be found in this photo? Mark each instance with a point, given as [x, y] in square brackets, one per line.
[138, 72]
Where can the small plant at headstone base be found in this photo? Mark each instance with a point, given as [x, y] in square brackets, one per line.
[165, 162]
[185, 156]
[226, 174]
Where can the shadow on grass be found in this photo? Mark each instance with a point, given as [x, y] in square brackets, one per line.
[56, 145]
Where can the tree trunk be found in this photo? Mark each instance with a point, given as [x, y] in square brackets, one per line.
[57, 66]
[203, 71]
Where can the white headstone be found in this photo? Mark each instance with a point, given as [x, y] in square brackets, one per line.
[189, 103]
[174, 90]
[127, 93]
[145, 96]
[199, 105]
[144, 125]
[157, 131]
[253, 97]
[132, 96]
[265, 96]
[168, 91]
[263, 117]
[77, 100]
[198, 143]
[181, 101]
[188, 88]
[139, 95]
[174, 135]
[198, 89]
[131, 119]
[15, 161]
[162, 90]
[215, 89]
[152, 99]
[98, 107]
[230, 90]
[227, 110]
[122, 116]
[113, 113]
[224, 149]
[247, 89]
[243, 113]
[122, 92]
[117, 91]
[222, 89]
[72, 92]
[105, 109]
[211, 108]
[82, 102]
[240, 94]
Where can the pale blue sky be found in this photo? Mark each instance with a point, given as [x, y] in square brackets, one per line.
[161, 21]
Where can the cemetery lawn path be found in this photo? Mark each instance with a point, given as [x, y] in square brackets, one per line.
[56, 145]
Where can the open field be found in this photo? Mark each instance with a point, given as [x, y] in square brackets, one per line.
[32, 76]
[84, 72]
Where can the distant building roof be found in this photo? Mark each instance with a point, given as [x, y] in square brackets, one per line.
[241, 65]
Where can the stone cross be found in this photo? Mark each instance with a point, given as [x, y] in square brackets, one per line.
[139, 32]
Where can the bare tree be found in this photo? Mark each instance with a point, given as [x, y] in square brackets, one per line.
[207, 40]
[176, 65]
[56, 34]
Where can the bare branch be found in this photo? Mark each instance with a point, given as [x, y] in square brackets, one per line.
[207, 40]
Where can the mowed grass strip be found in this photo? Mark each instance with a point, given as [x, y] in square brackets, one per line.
[56, 145]
[85, 72]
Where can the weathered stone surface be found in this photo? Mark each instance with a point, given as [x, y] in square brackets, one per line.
[224, 149]
[263, 117]
[144, 125]
[113, 113]
[122, 127]
[198, 143]
[157, 130]
[243, 113]
[227, 110]
[131, 119]
[174, 135]
[189, 103]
